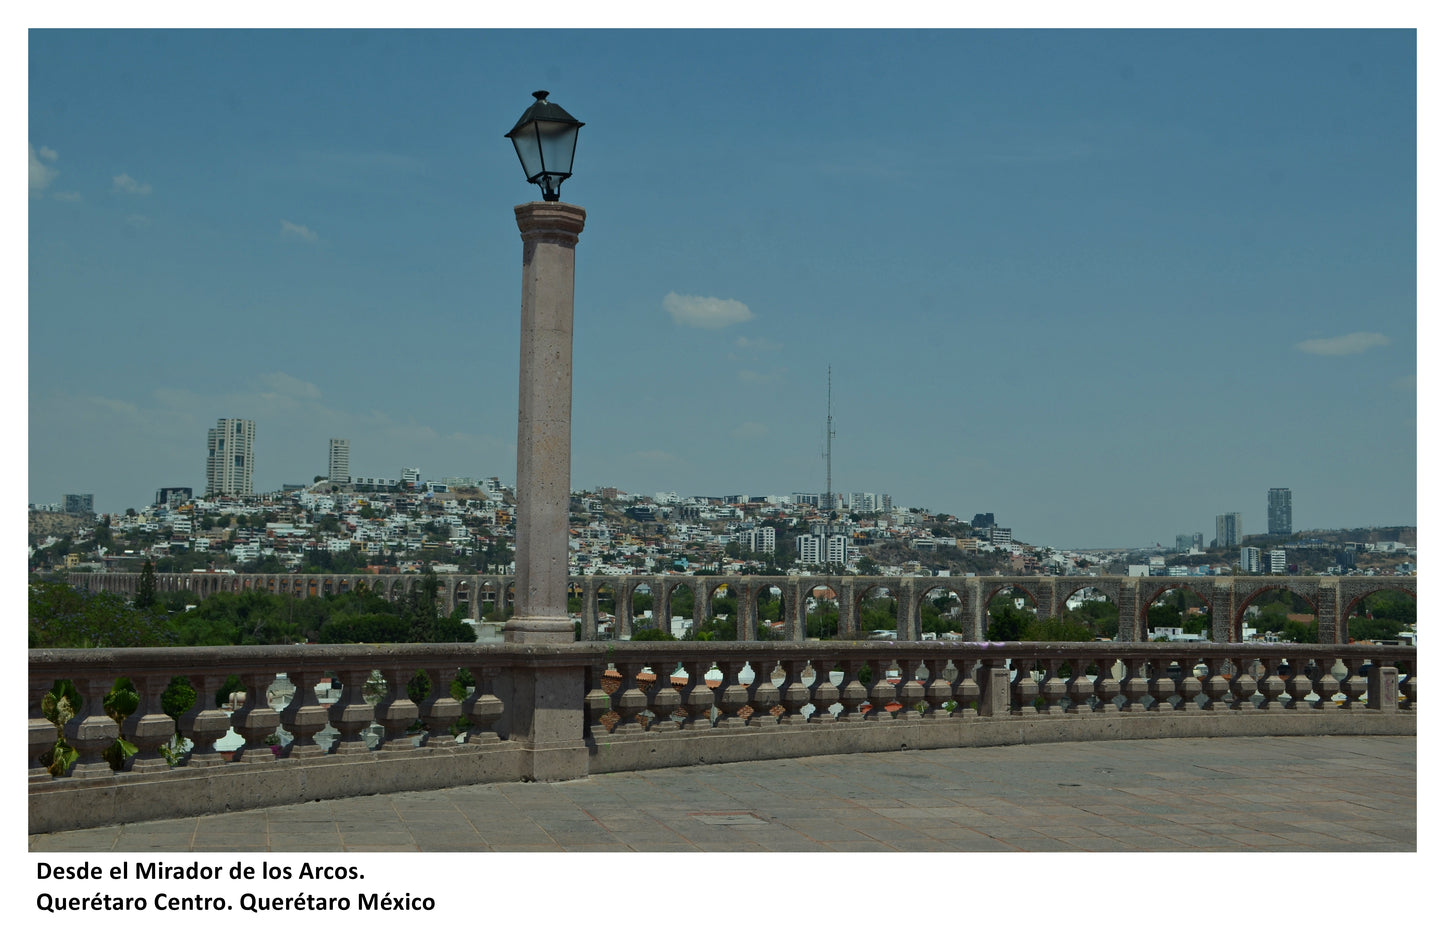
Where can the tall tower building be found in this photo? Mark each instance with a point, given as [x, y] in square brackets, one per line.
[230, 457]
[338, 461]
[1281, 516]
[1227, 530]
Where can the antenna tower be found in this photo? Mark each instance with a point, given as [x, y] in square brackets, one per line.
[828, 496]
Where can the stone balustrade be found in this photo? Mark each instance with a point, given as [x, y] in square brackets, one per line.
[562, 711]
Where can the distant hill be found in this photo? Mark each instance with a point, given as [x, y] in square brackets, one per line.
[53, 524]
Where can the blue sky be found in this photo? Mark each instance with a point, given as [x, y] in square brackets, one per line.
[1103, 284]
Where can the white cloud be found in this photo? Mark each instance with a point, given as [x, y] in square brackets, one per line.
[705, 312]
[756, 377]
[760, 345]
[139, 222]
[124, 183]
[280, 384]
[41, 175]
[1352, 344]
[1406, 383]
[297, 232]
[66, 196]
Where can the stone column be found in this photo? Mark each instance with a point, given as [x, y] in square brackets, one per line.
[906, 622]
[848, 609]
[1221, 612]
[1329, 608]
[589, 608]
[544, 422]
[1046, 598]
[661, 604]
[973, 609]
[1129, 611]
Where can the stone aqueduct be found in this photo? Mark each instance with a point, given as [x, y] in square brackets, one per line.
[1333, 599]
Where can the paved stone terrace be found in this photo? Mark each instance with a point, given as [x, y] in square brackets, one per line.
[1334, 794]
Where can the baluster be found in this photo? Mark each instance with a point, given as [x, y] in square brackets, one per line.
[938, 691]
[148, 728]
[205, 723]
[908, 692]
[966, 691]
[440, 709]
[1133, 687]
[1242, 685]
[880, 692]
[256, 721]
[1106, 685]
[597, 702]
[1323, 683]
[732, 695]
[664, 700]
[1189, 685]
[42, 730]
[396, 712]
[306, 715]
[762, 695]
[483, 708]
[1407, 685]
[1024, 688]
[1270, 684]
[631, 702]
[1299, 684]
[1161, 685]
[1054, 690]
[697, 696]
[1216, 684]
[1353, 686]
[91, 731]
[852, 694]
[824, 693]
[793, 695]
[352, 714]
[1080, 686]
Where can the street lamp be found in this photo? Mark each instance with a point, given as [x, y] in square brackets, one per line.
[546, 140]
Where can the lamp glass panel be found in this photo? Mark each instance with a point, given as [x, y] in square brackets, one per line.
[525, 140]
[558, 142]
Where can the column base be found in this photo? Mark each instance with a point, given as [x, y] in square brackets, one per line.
[538, 630]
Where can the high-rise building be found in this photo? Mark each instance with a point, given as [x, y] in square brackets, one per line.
[338, 461]
[810, 548]
[80, 504]
[230, 457]
[1249, 559]
[171, 497]
[760, 539]
[1281, 516]
[1228, 530]
[1277, 562]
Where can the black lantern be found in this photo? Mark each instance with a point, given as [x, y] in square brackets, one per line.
[546, 140]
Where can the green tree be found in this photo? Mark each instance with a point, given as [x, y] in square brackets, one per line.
[1164, 616]
[145, 588]
[1053, 629]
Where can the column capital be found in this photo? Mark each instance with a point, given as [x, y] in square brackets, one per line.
[550, 222]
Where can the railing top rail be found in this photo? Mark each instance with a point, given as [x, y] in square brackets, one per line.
[136, 660]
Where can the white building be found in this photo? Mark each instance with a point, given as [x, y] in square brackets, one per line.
[1249, 559]
[338, 461]
[759, 540]
[1277, 564]
[810, 548]
[230, 457]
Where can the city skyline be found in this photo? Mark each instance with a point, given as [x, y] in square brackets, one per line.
[1096, 284]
